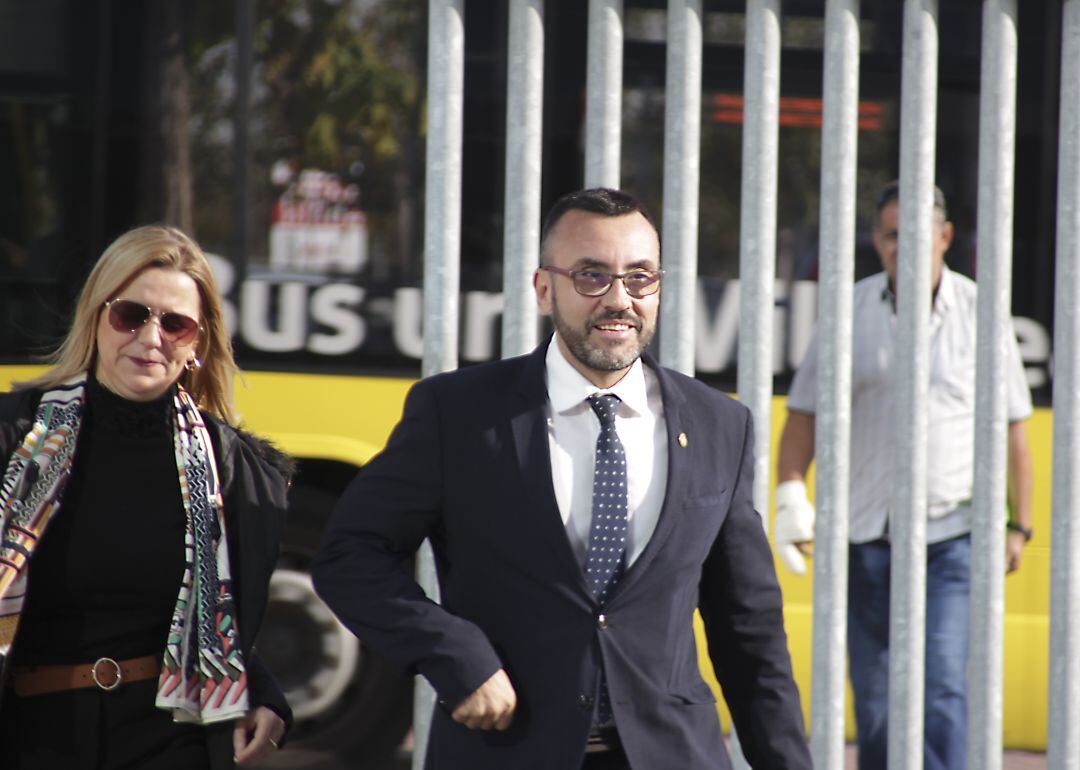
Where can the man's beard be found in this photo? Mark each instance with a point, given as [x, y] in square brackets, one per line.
[599, 358]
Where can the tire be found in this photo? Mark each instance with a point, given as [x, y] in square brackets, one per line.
[349, 705]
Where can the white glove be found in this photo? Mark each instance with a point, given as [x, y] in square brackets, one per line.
[794, 524]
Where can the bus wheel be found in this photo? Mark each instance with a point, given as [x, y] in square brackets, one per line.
[348, 704]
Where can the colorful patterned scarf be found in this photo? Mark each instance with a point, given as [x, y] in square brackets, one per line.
[203, 679]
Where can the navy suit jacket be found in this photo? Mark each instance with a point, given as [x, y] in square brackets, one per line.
[469, 467]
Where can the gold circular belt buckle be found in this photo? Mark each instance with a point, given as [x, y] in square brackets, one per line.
[98, 682]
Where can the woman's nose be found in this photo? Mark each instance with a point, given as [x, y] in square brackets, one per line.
[150, 332]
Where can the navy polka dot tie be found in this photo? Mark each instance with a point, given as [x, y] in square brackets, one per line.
[606, 559]
[607, 533]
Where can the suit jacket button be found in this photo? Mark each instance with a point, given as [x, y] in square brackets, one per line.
[585, 702]
[601, 621]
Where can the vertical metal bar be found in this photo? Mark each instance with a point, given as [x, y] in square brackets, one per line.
[757, 234]
[682, 156]
[907, 627]
[524, 133]
[839, 143]
[442, 197]
[757, 241]
[603, 94]
[442, 246]
[1063, 734]
[997, 140]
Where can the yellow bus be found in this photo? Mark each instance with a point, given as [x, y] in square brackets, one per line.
[326, 674]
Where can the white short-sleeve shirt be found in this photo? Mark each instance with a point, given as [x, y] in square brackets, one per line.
[950, 402]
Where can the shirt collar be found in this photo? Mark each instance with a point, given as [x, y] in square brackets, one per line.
[944, 297]
[567, 387]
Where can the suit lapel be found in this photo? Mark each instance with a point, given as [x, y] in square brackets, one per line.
[676, 422]
[528, 425]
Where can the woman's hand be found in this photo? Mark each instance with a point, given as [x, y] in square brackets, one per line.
[257, 735]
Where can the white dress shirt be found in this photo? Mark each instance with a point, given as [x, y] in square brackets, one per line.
[950, 445]
[573, 428]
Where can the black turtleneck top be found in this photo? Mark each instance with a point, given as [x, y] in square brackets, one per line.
[104, 579]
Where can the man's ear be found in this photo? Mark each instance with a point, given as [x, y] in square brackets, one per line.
[542, 287]
[947, 235]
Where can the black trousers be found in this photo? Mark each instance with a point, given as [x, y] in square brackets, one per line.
[90, 729]
[606, 760]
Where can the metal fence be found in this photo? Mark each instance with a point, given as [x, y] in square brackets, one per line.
[1063, 740]
[833, 425]
[757, 264]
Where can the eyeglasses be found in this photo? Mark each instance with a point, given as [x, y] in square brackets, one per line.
[126, 316]
[594, 283]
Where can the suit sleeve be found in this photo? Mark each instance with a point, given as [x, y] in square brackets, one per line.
[742, 608]
[363, 569]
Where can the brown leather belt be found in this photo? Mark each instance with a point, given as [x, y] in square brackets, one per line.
[603, 739]
[105, 674]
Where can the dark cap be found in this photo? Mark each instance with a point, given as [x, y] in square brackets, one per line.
[891, 192]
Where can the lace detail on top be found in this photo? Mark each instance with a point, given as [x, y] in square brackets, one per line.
[118, 416]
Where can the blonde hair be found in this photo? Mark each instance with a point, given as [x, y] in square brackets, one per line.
[152, 246]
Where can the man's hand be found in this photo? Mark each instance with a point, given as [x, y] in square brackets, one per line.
[1014, 550]
[794, 531]
[492, 705]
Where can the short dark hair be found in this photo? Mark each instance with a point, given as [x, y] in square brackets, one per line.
[891, 192]
[597, 200]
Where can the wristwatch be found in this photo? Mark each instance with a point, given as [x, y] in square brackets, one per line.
[1013, 526]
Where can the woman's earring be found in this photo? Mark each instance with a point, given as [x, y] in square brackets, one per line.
[193, 364]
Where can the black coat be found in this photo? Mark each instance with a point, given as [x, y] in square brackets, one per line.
[254, 482]
[468, 467]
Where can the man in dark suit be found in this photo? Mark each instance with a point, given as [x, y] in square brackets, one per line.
[581, 502]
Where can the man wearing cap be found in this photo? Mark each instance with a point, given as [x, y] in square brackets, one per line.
[581, 502]
[950, 471]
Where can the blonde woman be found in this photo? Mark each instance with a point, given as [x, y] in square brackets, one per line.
[138, 531]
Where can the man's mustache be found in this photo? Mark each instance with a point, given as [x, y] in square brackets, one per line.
[624, 315]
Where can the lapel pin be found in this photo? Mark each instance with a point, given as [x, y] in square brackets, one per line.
[683, 440]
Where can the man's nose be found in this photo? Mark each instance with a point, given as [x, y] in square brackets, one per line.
[616, 296]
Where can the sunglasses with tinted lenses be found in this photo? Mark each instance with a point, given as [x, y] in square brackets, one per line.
[128, 317]
[596, 283]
